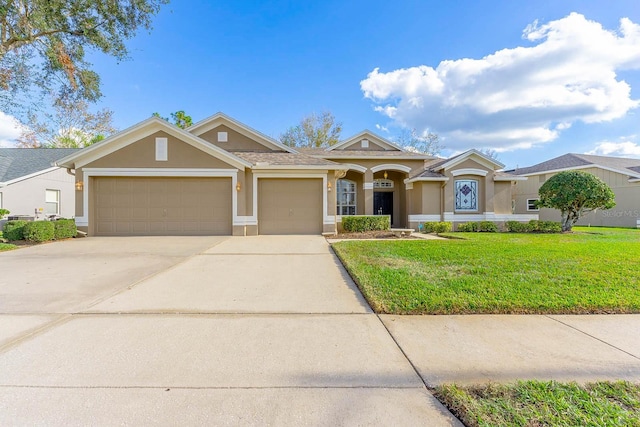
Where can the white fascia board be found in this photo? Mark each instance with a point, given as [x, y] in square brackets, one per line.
[377, 139]
[338, 155]
[485, 160]
[297, 167]
[510, 178]
[634, 180]
[593, 165]
[31, 175]
[426, 179]
[222, 119]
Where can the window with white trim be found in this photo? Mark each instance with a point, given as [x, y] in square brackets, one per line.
[346, 197]
[223, 137]
[52, 202]
[382, 183]
[466, 195]
[162, 153]
[531, 205]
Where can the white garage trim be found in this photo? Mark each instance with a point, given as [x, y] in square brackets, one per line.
[326, 219]
[158, 172]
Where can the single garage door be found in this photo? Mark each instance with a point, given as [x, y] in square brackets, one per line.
[161, 206]
[289, 206]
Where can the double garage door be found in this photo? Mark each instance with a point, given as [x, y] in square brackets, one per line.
[162, 206]
[200, 206]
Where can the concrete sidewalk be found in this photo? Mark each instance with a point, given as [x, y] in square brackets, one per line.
[254, 331]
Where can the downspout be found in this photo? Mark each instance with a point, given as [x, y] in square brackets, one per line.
[444, 184]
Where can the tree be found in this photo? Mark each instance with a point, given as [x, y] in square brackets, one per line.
[180, 119]
[313, 131]
[492, 154]
[428, 143]
[69, 125]
[575, 193]
[43, 44]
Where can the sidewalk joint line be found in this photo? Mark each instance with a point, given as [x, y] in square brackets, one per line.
[591, 336]
[159, 387]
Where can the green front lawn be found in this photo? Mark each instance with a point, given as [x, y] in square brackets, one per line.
[536, 403]
[593, 270]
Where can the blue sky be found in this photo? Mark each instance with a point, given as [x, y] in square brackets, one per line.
[566, 84]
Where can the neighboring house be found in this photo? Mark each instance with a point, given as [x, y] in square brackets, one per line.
[31, 185]
[221, 177]
[621, 174]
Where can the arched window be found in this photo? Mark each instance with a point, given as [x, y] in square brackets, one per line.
[466, 192]
[346, 197]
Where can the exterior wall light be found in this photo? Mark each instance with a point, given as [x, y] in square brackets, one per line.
[386, 175]
[238, 186]
[79, 186]
[329, 186]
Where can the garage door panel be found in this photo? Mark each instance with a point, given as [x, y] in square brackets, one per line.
[162, 206]
[290, 206]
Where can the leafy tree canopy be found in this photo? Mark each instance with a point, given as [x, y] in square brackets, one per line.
[70, 124]
[314, 130]
[43, 44]
[427, 143]
[575, 193]
[179, 118]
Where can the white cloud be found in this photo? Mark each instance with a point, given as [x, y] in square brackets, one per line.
[517, 98]
[620, 149]
[9, 130]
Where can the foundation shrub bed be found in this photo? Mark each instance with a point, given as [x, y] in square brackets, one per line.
[436, 227]
[544, 226]
[481, 226]
[14, 230]
[363, 223]
[64, 228]
[39, 231]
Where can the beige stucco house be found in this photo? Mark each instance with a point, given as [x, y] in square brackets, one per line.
[31, 186]
[621, 174]
[221, 177]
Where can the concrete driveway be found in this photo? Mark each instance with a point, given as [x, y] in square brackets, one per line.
[202, 330]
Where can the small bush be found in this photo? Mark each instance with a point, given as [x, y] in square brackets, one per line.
[517, 227]
[487, 227]
[14, 230]
[468, 227]
[534, 226]
[4, 212]
[64, 228]
[362, 223]
[39, 231]
[549, 227]
[436, 227]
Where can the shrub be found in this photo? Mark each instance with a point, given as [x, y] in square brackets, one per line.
[362, 223]
[468, 227]
[436, 227]
[517, 227]
[14, 230]
[534, 226]
[64, 228]
[487, 227]
[4, 212]
[549, 227]
[39, 231]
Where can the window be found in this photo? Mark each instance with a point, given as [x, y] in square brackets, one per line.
[466, 192]
[52, 202]
[382, 183]
[162, 154]
[223, 137]
[364, 143]
[531, 205]
[346, 197]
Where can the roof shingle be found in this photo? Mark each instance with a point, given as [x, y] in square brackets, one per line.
[19, 162]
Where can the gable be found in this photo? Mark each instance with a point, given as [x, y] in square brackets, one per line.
[235, 141]
[476, 156]
[145, 129]
[142, 154]
[372, 142]
[220, 119]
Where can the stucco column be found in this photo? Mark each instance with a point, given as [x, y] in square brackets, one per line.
[368, 192]
[489, 193]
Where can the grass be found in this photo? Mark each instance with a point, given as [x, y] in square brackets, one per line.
[6, 247]
[588, 271]
[537, 403]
